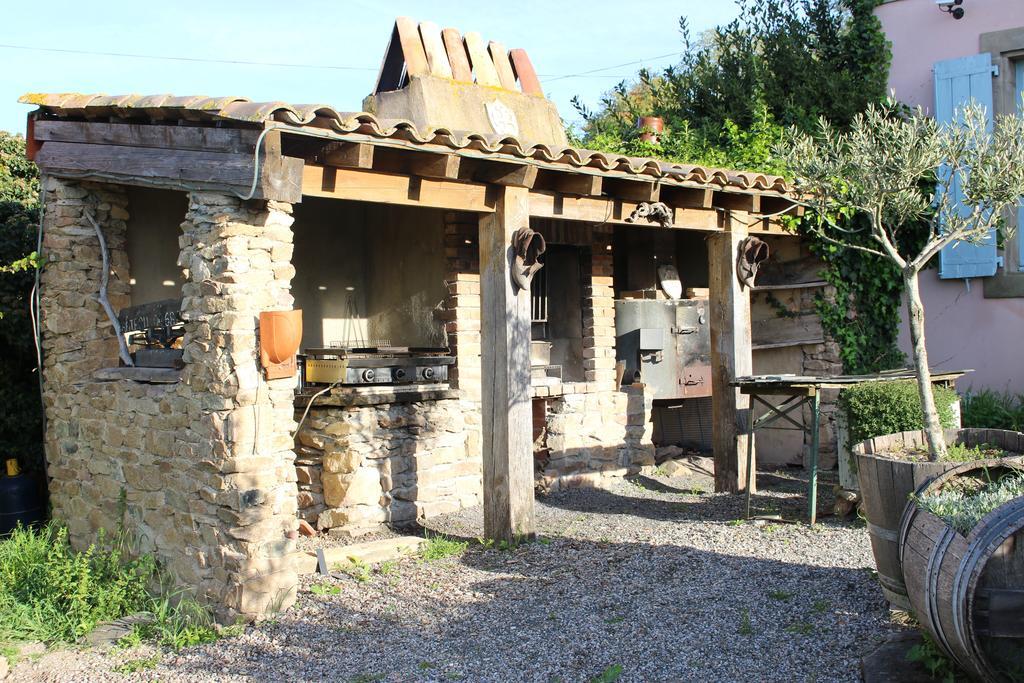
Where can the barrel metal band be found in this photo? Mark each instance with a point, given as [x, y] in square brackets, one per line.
[932, 590]
[991, 536]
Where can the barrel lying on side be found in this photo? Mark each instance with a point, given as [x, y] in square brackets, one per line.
[968, 592]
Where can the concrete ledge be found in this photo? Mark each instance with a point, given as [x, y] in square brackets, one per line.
[370, 552]
[346, 397]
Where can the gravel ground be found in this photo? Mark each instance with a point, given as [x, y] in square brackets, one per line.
[650, 580]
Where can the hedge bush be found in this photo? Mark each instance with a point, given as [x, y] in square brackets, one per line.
[878, 408]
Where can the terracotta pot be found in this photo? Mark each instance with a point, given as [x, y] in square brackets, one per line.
[280, 336]
[650, 128]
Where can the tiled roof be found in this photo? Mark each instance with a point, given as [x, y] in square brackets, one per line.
[324, 117]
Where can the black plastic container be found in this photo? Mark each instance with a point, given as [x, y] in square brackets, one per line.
[20, 501]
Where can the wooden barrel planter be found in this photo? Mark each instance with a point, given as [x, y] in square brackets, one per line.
[968, 592]
[886, 483]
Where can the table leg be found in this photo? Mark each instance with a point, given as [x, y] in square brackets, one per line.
[751, 475]
[812, 493]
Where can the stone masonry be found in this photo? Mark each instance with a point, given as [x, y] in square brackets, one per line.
[199, 471]
[821, 359]
[363, 465]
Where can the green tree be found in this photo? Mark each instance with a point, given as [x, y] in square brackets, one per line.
[21, 418]
[884, 168]
[728, 102]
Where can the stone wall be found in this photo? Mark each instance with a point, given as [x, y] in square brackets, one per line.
[822, 359]
[200, 471]
[386, 460]
[591, 436]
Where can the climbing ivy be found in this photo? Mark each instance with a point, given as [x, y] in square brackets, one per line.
[781, 63]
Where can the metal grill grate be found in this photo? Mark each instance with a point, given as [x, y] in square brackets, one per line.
[539, 297]
[686, 424]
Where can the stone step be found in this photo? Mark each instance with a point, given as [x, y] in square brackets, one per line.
[369, 552]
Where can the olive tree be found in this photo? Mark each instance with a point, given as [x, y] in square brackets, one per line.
[899, 168]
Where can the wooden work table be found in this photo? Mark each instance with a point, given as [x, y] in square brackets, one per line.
[806, 389]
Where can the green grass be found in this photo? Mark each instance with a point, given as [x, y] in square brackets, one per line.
[132, 666]
[609, 675]
[355, 568]
[441, 547]
[324, 589]
[53, 594]
[800, 628]
[821, 606]
[781, 595]
[745, 628]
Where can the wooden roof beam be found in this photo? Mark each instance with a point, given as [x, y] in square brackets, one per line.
[688, 197]
[427, 165]
[632, 190]
[394, 188]
[504, 173]
[734, 201]
[584, 185]
[348, 155]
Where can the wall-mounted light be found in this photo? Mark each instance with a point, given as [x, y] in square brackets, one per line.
[951, 7]
[168, 283]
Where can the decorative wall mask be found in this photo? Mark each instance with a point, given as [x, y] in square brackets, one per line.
[527, 247]
[752, 252]
[653, 212]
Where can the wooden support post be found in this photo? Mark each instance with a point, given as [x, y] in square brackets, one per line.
[505, 359]
[731, 356]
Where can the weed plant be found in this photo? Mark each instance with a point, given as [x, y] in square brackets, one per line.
[54, 594]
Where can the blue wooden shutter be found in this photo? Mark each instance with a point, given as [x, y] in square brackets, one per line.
[957, 82]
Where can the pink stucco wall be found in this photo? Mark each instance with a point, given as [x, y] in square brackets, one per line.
[922, 35]
[963, 328]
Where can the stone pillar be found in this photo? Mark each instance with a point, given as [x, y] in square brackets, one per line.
[238, 259]
[599, 313]
[78, 338]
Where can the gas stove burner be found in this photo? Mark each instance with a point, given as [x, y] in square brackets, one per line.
[378, 365]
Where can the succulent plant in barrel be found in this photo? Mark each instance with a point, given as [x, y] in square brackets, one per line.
[899, 167]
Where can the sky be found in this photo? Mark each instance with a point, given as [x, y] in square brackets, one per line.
[564, 39]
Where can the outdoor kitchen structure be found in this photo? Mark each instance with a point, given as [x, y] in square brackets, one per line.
[439, 365]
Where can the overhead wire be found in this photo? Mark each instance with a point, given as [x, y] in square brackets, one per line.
[592, 73]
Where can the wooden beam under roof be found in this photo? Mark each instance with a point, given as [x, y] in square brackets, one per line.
[737, 201]
[445, 166]
[348, 155]
[394, 188]
[634, 190]
[503, 173]
[582, 184]
[198, 138]
[278, 177]
[688, 197]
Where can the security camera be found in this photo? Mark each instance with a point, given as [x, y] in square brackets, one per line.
[951, 7]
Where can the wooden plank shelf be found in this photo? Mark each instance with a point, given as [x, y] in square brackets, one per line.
[795, 285]
[786, 344]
